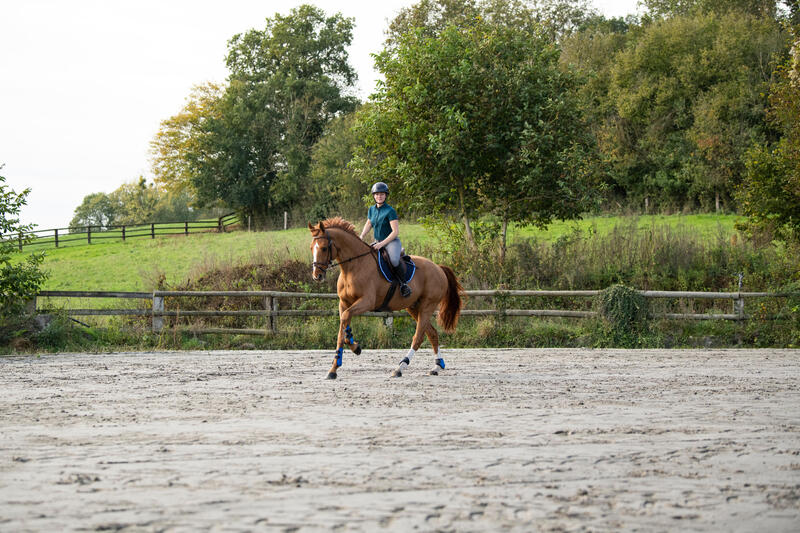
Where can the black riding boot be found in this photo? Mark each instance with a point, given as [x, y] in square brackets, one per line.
[400, 274]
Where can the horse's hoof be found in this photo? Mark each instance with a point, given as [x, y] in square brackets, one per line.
[331, 375]
[397, 374]
[357, 350]
[433, 373]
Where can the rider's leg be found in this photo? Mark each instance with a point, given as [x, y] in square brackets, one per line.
[394, 250]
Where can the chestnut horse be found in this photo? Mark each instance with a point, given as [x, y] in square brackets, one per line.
[361, 288]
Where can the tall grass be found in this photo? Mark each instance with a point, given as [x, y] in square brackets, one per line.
[653, 257]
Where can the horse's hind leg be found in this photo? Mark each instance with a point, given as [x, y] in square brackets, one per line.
[438, 362]
[398, 372]
[422, 329]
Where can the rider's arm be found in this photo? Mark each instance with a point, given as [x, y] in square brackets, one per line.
[367, 227]
[395, 224]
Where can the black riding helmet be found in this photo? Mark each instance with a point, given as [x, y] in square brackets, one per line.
[380, 187]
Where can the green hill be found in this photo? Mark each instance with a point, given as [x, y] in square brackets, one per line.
[138, 264]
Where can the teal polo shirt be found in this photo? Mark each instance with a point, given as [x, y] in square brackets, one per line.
[380, 218]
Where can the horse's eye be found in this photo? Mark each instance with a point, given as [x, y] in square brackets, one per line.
[324, 248]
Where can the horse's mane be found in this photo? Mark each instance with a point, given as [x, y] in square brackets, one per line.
[340, 223]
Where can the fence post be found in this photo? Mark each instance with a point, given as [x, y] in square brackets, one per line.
[20, 242]
[56, 230]
[153, 230]
[274, 319]
[285, 220]
[186, 227]
[270, 319]
[158, 307]
[738, 303]
[89, 234]
[220, 227]
[123, 233]
[738, 308]
[389, 320]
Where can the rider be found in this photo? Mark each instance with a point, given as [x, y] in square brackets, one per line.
[382, 219]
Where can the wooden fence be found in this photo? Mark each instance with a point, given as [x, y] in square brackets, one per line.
[88, 234]
[270, 303]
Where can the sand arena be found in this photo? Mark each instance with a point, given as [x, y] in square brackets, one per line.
[525, 440]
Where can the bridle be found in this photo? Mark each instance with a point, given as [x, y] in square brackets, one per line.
[323, 267]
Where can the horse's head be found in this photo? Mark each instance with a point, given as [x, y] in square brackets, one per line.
[321, 251]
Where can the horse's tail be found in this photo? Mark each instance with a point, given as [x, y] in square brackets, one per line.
[450, 306]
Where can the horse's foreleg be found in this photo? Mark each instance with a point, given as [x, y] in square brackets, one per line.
[353, 344]
[345, 334]
[337, 360]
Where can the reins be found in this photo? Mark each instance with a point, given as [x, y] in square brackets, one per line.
[331, 264]
[354, 257]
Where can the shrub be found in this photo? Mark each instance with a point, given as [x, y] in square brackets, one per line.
[624, 312]
[59, 334]
[19, 282]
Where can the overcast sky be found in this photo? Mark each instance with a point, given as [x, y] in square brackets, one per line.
[85, 84]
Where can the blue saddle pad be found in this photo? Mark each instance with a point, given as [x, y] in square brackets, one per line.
[386, 270]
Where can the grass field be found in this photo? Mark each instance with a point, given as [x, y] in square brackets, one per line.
[137, 265]
[707, 226]
[43, 239]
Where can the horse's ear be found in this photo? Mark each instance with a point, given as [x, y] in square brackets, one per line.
[321, 227]
[310, 226]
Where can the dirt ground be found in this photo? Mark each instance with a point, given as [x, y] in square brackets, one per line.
[524, 440]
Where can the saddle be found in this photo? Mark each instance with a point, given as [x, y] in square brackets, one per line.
[385, 268]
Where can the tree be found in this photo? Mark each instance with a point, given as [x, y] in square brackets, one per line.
[666, 8]
[475, 120]
[770, 192]
[177, 206]
[137, 202]
[19, 281]
[556, 17]
[334, 187]
[253, 149]
[791, 12]
[98, 209]
[687, 98]
[180, 135]
[430, 17]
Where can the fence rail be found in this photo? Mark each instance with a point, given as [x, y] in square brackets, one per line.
[58, 237]
[271, 308]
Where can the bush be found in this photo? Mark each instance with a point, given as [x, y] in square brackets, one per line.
[19, 282]
[624, 312]
[59, 334]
